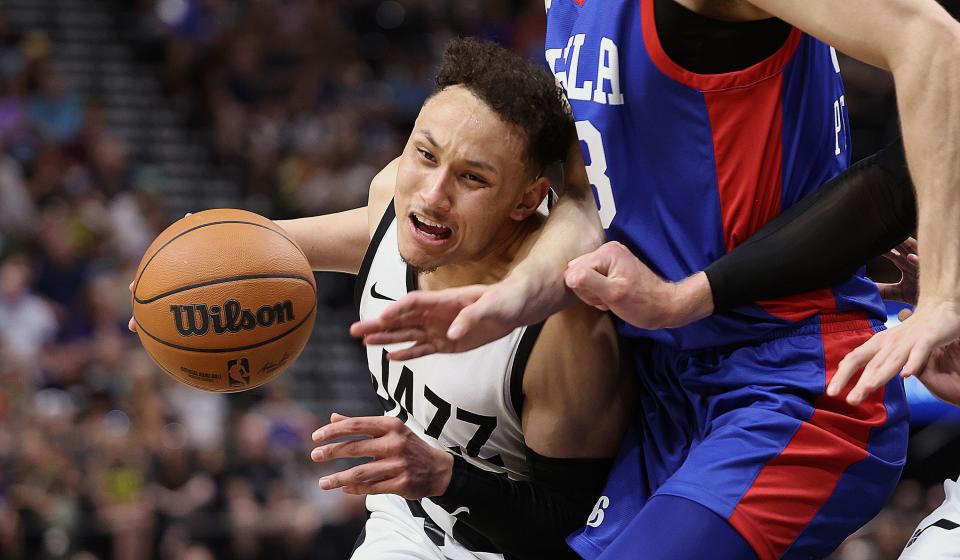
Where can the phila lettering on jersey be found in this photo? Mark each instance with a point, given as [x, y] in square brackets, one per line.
[686, 166]
[468, 403]
[604, 87]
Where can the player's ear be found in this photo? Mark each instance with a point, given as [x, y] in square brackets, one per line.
[533, 195]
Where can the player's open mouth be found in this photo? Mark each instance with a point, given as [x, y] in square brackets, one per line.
[428, 228]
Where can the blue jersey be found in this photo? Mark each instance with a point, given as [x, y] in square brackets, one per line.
[687, 166]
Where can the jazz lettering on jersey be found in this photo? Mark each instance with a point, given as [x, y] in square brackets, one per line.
[400, 404]
[568, 63]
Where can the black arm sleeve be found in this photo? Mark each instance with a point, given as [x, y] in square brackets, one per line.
[527, 519]
[824, 238]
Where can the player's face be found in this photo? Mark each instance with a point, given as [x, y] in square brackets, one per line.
[460, 182]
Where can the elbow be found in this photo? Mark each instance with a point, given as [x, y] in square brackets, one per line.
[593, 237]
[932, 42]
[947, 50]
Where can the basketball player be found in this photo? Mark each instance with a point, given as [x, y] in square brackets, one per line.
[740, 444]
[501, 451]
[938, 535]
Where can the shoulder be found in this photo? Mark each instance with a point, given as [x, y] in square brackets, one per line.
[577, 398]
[576, 351]
[381, 194]
[577, 334]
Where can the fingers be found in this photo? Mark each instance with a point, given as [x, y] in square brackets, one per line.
[904, 314]
[888, 291]
[851, 364]
[373, 426]
[466, 320]
[394, 337]
[379, 325]
[407, 308]
[416, 305]
[600, 259]
[595, 287]
[375, 448]
[412, 353]
[388, 486]
[908, 246]
[363, 476]
[476, 308]
[917, 360]
[363, 328]
[880, 369]
[132, 323]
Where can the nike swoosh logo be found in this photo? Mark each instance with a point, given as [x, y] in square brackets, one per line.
[377, 295]
[944, 524]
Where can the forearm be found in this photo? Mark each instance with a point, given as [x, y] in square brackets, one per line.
[507, 512]
[824, 238]
[572, 229]
[928, 95]
[332, 242]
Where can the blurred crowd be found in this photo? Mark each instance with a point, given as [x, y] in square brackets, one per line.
[311, 98]
[101, 455]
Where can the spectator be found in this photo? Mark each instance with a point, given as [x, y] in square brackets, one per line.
[28, 323]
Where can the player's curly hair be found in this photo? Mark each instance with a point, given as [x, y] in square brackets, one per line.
[520, 92]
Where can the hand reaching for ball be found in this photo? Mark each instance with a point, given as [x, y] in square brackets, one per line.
[132, 324]
[223, 300]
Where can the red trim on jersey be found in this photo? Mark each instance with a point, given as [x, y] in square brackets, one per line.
[793, 486]
[762, 70]
[801, 306]
[747, 129]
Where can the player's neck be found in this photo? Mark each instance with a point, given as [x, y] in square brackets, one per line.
[495, 263]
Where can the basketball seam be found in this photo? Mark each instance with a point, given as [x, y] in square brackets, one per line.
[136, 283]
[223, 281]
[222, 350]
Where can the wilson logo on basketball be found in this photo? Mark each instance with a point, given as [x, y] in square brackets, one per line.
[197, 319]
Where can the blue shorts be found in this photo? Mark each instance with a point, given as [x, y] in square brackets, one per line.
[749, 433]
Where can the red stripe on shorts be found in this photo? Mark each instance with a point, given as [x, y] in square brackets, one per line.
[795, 484]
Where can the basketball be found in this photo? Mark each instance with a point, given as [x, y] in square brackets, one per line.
[224, 300]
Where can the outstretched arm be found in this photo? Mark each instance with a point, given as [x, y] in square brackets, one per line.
[920, 44]
[337, 242]
[818, 242]
[332, 242]
[941, 374]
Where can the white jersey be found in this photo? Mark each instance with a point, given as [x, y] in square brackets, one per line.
[938, 535]
[467, 403]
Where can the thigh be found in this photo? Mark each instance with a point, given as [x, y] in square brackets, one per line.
[938, 535]
[792, 470]
[392, 533]
[678, 529]
[625, 493]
